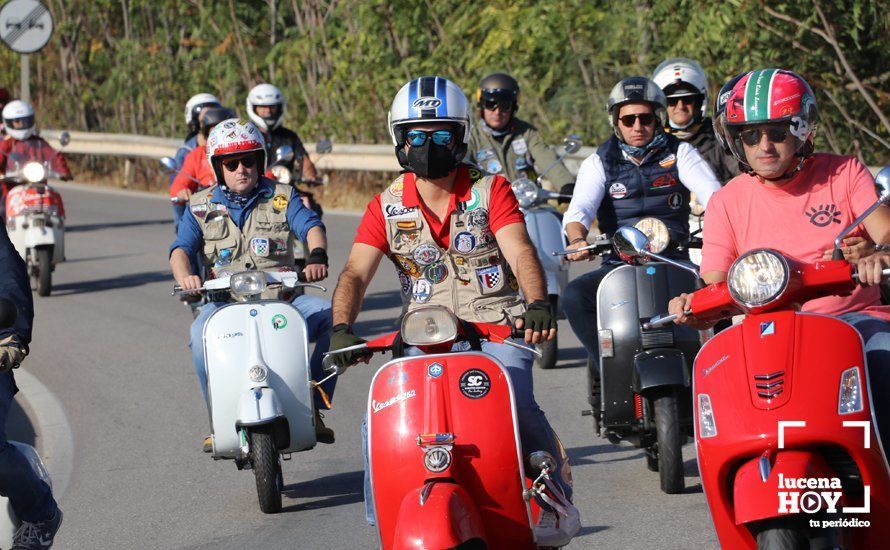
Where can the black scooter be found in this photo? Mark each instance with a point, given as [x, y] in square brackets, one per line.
[641, 393]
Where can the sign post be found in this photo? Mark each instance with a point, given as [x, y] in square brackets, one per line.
[25, 27]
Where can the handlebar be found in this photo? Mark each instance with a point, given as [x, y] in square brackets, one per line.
[223, 284]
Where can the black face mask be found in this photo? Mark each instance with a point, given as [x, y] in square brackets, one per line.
[431, 161]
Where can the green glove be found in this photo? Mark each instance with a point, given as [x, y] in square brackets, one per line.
[11, 353]
[342, 337]
[538, 317]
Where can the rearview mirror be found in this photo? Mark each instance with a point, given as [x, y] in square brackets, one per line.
[630, 242]
[168, 163]
[324, 146]
[64, 138]
[882, 182]
[284, 154]
[572, 144]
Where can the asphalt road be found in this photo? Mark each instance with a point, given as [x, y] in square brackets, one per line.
[111, 345]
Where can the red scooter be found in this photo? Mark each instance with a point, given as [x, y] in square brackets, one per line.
[787, 445]
[445, 457]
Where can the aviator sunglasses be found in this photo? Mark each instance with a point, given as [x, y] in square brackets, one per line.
[232, 164]
[629, 120]
[504, 105]
[416, 138]
[774, 134]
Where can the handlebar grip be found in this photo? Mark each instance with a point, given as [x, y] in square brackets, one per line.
[301, 277]
[517, 333]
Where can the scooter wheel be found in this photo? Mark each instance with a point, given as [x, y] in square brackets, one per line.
[670, 442]
[549, 354]
[44, 271]
[267, 469]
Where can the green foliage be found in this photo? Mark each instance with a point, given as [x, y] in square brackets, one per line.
[129, 65]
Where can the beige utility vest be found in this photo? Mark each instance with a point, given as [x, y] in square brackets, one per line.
[265, 242]
[470, 277]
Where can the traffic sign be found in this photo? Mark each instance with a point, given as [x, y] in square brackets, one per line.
[25, 25]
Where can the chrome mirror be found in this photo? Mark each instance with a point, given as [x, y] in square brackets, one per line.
[882, 182]
[630, 242]
[284, 154]
[168, 163]
[64, 138]
[572, 144]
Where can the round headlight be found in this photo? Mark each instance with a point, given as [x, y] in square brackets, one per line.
[657, 233]
[248, 283]
[426, 326]
[526, 192]
[758, 277]
[34, 172]
[282, 174]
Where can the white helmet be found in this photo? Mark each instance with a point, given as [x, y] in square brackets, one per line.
[429, 99]
[234, 136]
[17, 110]
[194, 105]
[267, 95]
[671, 73]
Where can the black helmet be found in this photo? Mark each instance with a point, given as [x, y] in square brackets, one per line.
[498, 87]
[636, 89]
[720, 110]
[214, 116]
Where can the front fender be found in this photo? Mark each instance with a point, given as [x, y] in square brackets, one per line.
[258, 406]
[35, 237]
[757, 499]
[660, 367]
[440, 514]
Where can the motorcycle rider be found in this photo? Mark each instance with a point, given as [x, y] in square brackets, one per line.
[265, 107]
[640, 171]
[196, 172]
[795, 201]
[193, 108]
[685, 87]
[235, 217]
[23, 144]
[4, 99]
[30, 497]
[414, 221]
[501, 143]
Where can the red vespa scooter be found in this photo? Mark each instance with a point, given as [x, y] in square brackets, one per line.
[445, 457]
[787, 445]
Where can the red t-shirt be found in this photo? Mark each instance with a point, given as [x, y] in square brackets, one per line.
[195, 166]
[503, 210]
[801, 219]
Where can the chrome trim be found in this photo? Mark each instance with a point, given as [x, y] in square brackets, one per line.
[764, 466]
[785, 282]
[425, 493]
[769, 376]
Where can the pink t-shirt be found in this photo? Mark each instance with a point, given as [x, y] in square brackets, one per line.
[800, 219]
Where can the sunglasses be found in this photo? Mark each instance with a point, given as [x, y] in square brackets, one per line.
[686, 99]
[504, 105]
[629, 120]
[232, 164]
[752, 136]
[416, 138]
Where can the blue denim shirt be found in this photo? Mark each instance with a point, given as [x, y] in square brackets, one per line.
[300, 219]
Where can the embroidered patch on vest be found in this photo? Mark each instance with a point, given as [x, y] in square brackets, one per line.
[617, 191]
[397, 188]
[666, 180]
[399, 212]
[493, 166]
[675, 201]
[490, 277]
[474, 202]
[407, 265]
[478, 217]
[668, 161]
[199, 210]
[225, 257]
[519, 146]
[406, 225]
[436, 272]
[260, 246]
[426, 254]
[464, 242]
[405, 283]
[408, 238]
[279, 202]
[422, 291]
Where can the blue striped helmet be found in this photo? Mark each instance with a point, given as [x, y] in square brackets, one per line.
[429, 99]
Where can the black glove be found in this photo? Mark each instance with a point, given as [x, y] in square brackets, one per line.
[538, 317]
[342, 337]
[318, 256]
[11, 353]
[567, 189]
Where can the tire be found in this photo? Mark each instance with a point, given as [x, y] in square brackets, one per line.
[44, 271]
[782, 538]
[670, 442]
[267, 469]
[593, 397]
[549, 353]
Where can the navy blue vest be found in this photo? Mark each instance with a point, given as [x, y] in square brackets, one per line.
[652, 189]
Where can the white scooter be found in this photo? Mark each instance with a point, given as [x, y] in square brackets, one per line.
[8, 520]
[259, 389]
[544, 226]
[35, 217]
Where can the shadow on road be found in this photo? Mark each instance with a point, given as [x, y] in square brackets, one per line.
[590, 529]
[375, 327]
[97, 258]
[76, 228]
[578, 455]
[572, 358]
[327, 491]
[382, 300]
[111, 283]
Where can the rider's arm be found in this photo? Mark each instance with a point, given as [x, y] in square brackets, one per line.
[590, 189]
[15, 286]
[357, 274]
[543, 157]
[695, 173]
[189, 240]
[520, 253]
[302, 219]
[309, 171]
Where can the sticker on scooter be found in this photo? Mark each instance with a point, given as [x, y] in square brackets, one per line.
[437, 459]
[279, 322]
[435, 370]
[474, 384]
[767, 329]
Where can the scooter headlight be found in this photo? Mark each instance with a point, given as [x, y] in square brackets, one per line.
[427, 326]
[849, 398]
[282, 174]
[707, 427]
[657, 233]
[526, 192]
[34, 172]
[248, 283]
[758, 277]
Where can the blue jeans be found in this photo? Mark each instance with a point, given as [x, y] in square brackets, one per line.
[317, 313]
[31, 498]
[535, 432]
[876, 335]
